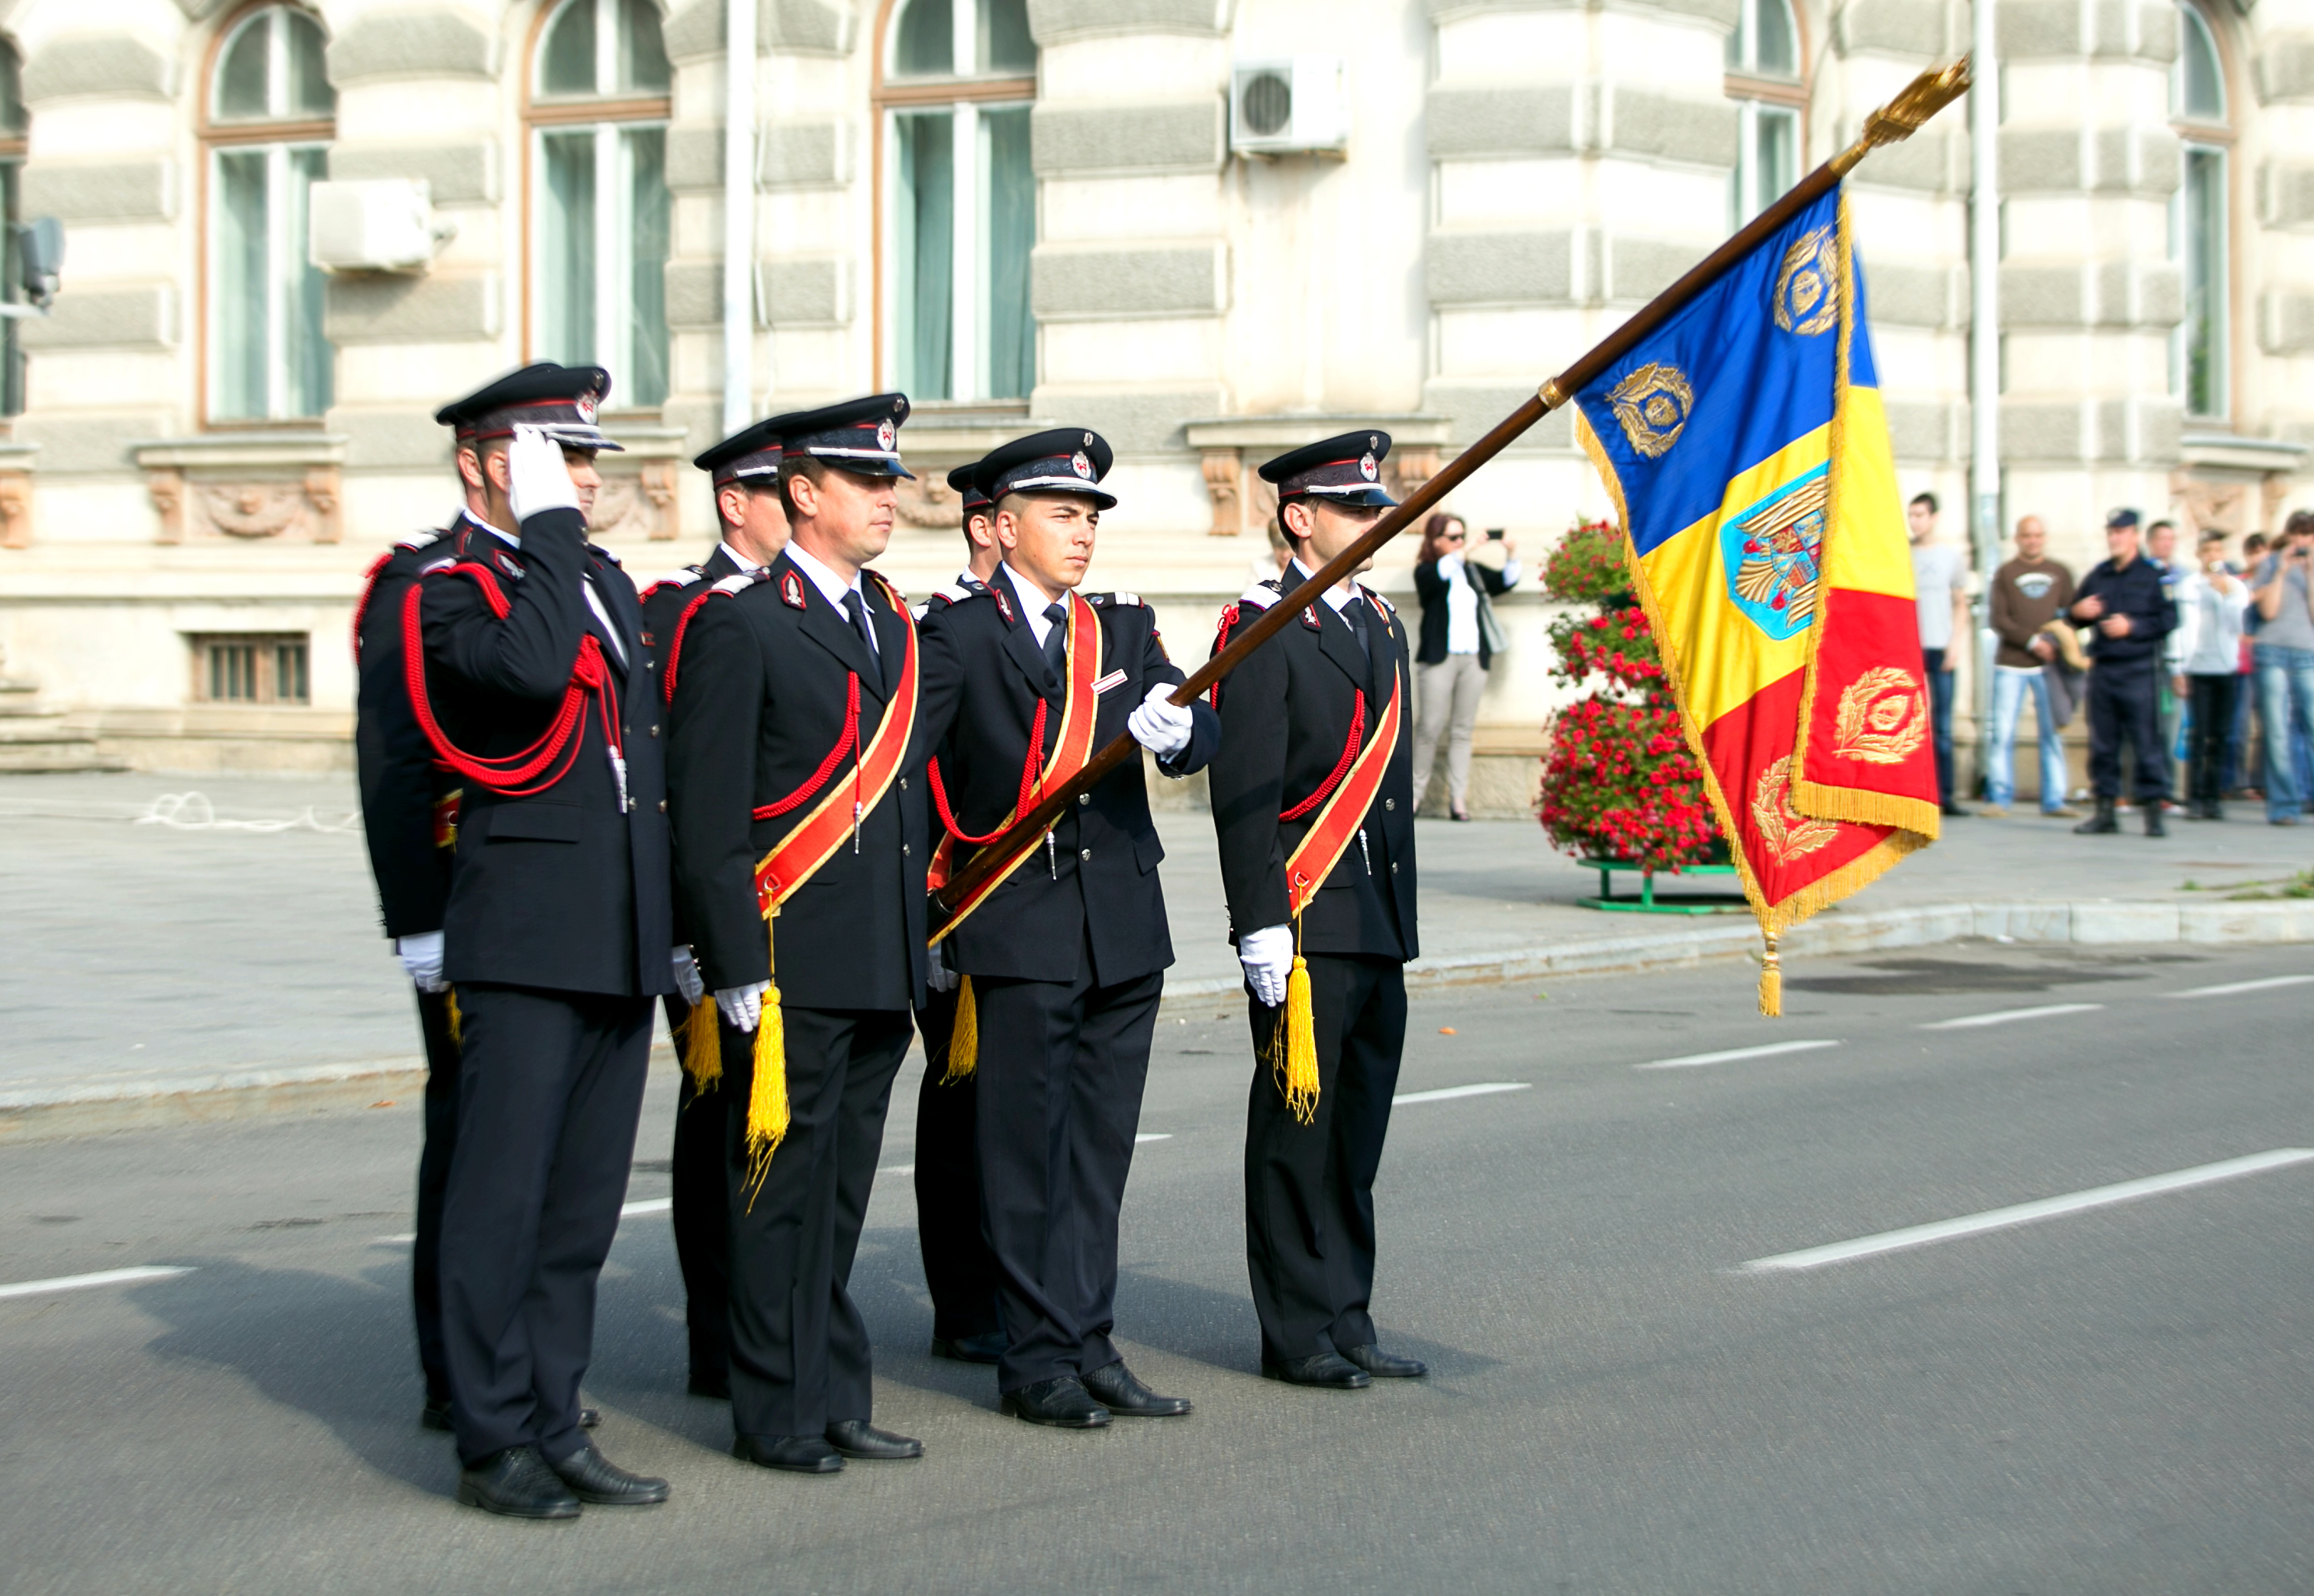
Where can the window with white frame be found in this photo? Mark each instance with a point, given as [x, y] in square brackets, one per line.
[1764, 79]
[602, 214]
[959, 200]
[2199, 218]
[271, 113]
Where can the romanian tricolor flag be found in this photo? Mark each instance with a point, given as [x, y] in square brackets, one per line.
[1745, 447]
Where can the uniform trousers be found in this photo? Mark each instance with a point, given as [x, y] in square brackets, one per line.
[550, 1085]
[2122, 708]
[1308, 1189]
[959, 1271]
[799, 1353]
[1061, 1067]
[441, 1131]
[701, 1213]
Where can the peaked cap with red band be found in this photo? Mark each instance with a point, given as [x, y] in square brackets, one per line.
[1344, 470]
[1064, 459]
[861, 435]
[970, 489]
[749, 456]
[564, 401]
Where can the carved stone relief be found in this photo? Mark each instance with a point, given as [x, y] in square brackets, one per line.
[929, 501]
[199, 507]
[1220, 468]
[16, 509]
[642, 506]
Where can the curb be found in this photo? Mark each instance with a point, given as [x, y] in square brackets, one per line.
[147, 1102]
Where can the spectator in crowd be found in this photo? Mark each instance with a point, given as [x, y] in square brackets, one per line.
[1460, 636]
[2241, 768]
[2285, 665]
[1940, 582]
[2169, 698]
[2028, 594]
[2210, 603]
[2122, 599]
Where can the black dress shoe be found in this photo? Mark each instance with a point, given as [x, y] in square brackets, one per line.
[715, 1388]
[799, 1454]
[435, 1414]
[857, 1438]
[1319, 1369]
[588, 1417]
[594, 1477]
[1384, 1365]
[1061, 1402]
[517, 1483]
[970, 1349]
[1116, 1388]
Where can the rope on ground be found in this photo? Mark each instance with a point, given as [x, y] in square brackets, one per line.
[193, 812]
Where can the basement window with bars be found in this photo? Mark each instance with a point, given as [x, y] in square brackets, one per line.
[252, 667]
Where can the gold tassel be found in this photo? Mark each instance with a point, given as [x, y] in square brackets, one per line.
[1771, 981]
[702, 1045]
[963, 1036]
[1301, 1044]
[768, 1097]
[457, 1020]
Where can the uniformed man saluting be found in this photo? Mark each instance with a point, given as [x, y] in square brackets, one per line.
[801, 865]
[1066, 951]
[556, 935]
[1313, 796]
[744, 473]
[959, 1271]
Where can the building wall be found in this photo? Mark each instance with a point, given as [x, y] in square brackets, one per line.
[1519, 176]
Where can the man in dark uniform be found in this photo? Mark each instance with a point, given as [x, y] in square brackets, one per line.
[797, 808]
[744, 472]
[2123, 599]
[410, 817]
[1024, 678]
[1313, 804]
[959, 1271]
[556, 935]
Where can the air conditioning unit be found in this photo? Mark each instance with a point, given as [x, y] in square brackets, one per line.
[1295, 105]
[381, 224]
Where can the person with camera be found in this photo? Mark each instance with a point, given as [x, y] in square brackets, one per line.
[1454, 583]
[2284, 657]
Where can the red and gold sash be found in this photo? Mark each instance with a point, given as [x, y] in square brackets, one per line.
[1071, 748]
[1321, 847]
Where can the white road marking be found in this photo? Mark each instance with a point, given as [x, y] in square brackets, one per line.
[896, 1169]
[406, 1238]
[2003, 1016]
[73, 1283]
[647, 1205]
[1994, 1219]
[1483, 1088]
[1689, 1060]
[1152, 1136]
[2232, 987]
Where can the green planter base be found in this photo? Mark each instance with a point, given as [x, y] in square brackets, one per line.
[1647, 902]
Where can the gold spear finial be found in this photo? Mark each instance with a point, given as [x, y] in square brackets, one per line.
[1903, 116]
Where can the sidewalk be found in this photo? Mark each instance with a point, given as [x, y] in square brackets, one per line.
[167, 971]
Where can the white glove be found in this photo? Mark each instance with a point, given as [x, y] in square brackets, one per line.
[1160, 725]
[422, 960]
[1268, 956]
[687, 978]
[536, 477]
[941, 978]
[742, 1005]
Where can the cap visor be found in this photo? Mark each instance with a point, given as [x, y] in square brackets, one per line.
[1374, 496]
[582, 437]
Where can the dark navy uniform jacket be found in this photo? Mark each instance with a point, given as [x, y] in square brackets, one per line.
[1285, 717]
[984, 675]
[563, 888]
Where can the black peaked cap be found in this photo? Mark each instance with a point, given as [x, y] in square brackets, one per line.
[565, 401]
[1345, 469]
[966, 480]
[751, 454]
[1065, 460]
[861, 435]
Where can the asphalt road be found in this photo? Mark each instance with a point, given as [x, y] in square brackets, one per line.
[2116, 1399]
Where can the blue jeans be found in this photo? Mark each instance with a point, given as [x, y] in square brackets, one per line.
[1941, 708]
[2011, 683]
[2286, 702]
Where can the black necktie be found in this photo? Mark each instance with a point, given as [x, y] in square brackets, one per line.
[1354, 613]
[1056, 644]
[858, 610]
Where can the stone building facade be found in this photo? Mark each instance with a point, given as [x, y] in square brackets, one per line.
[1027, 212]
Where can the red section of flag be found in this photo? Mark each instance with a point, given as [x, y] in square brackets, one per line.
[1869, 730]
[1783, 852]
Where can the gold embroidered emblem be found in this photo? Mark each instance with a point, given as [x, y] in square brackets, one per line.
[1807, 298]
[1884, 717]
[1778, 550]
[1653, 404]
[1788, 833]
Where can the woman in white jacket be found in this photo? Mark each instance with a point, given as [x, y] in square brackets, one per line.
[2210, 603]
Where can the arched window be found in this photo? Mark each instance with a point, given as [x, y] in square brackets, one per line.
[14, 124]
[958, 206]
[1764, 80]
[2199, 218]
[270, 116]
[599, 102]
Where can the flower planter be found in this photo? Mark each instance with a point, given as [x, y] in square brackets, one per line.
[1647, 902]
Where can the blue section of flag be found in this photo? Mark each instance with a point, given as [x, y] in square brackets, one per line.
[1755, 386]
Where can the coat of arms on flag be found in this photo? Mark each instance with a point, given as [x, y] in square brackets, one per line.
[1745, 447]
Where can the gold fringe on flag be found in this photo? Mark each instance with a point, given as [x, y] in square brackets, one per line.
[963, 1036]
[1771, 981]
[767, 1096]
[702, 1044]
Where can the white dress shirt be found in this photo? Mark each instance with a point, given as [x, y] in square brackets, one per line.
[833, 587]
[1032, 602]
[586, 585]
[1462, 602]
